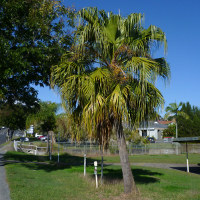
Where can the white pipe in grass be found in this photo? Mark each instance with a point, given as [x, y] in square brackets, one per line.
[188, 166]
[95, 172]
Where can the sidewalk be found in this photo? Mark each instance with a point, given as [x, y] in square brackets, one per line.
[4, 189]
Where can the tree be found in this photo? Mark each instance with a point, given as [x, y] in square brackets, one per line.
[45, 119]
[173, 111]
[189, 127]
[108, 77]
[32, 39]
[68, 129]
[170, 131]
[15, 116]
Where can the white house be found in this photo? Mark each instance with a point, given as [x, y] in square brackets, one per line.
[30, 130]
[153, 128]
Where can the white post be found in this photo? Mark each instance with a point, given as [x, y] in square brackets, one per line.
[50, 150]
[84, 164]
[14, 145]
[188, 166]
[95, 172]
[187, 158]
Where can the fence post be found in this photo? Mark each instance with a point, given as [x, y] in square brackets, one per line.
[176, 148]
[15, 145]
[58, 146]
[187, 158]
[84, 164]
[95, 172]
[36, 150]
[145, 149]
[49, 144]
[101, 164]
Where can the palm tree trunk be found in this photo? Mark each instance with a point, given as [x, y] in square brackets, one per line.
[129, 183]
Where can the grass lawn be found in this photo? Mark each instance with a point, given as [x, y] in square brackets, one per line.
[29, 181]
[180, 159]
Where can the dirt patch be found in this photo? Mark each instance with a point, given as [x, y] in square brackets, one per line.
[7, 147]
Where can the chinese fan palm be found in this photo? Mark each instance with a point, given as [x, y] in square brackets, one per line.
[109, 79]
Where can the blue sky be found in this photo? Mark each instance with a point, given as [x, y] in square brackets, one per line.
[180, 20]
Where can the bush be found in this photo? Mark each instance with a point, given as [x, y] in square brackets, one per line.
[170, 131]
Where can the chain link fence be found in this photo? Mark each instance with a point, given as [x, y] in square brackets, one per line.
[94, 149]
[133, 149]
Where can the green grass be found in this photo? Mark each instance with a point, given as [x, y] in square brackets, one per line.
[29, 181]
[65, 158]
[160, 184]
[180, 159]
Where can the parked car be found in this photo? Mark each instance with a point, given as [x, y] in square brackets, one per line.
[151, 139]
[24, 139]
[37, 135]
[44, 138]
[39, 138]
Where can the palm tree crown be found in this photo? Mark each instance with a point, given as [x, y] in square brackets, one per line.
[173, 111]
[109, 76]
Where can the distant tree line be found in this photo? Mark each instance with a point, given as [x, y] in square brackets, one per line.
[191, 126]
[187, 126]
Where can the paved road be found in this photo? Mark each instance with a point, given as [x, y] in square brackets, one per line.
[182, 167]
[4, 189]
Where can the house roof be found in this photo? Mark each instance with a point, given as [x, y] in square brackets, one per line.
[165, 122]
[152, 124]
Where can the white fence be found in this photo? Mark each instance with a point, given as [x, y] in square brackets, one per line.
[28, 148]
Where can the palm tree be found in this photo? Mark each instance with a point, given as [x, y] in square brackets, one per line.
[108, 77]
[173, 111]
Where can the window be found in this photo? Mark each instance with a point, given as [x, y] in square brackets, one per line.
[144, 133]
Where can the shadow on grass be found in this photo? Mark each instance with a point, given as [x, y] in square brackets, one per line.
[22, 157]
[141, 176]
[111, 176]
[43, 162]
[195, 170]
